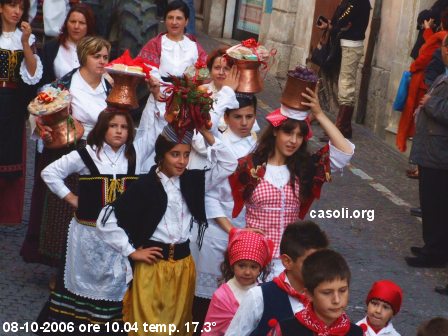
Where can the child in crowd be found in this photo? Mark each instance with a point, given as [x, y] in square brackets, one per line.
[279, 180]
[247, 257]
[91, 287]
[383, 303]
[326, 277]
[437, 326]
[283, 297]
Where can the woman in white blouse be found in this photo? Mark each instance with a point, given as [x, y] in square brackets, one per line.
[59, 55]
[170, 53]
[20, 69]
[49, 219]
[95, 277]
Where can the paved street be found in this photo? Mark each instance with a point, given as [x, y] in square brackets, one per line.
[374, 249]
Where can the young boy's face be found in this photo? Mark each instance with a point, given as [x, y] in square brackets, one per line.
[330, 299]
[379, 313]
[241, 121]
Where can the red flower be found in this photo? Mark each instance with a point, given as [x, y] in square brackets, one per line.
[200, 64]
[250, 43]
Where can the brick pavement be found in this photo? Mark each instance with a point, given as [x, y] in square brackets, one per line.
[374, 250]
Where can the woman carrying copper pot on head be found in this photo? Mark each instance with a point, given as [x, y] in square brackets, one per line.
[50, 216]
[171, 53]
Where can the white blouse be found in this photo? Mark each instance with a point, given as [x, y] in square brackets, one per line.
[66, 59]
[238, 290]
[174, 227]
[388, 330]
[12, 41]
[250, 311]
[219, 201]
[87, 103]
[177, 56]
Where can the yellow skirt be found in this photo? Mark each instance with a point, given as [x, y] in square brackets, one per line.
[160, 298]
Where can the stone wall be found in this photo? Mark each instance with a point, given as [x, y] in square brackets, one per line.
[288, 29]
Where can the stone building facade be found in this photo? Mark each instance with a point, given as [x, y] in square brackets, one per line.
[289, 26]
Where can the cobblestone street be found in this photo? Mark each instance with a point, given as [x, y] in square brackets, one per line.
[374, 249]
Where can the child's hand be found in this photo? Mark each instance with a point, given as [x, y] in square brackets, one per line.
[149, 255]
[25, 27]
[312, 101]
[255, 230]
[72, 199]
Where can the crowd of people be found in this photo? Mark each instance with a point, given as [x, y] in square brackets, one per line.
[158, 225]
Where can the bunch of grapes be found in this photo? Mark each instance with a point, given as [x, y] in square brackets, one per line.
[303, 73]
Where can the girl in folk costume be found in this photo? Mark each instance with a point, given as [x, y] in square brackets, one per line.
[383, 303]
[279, 180]
[92, 286]
[50, 216]
[20, 68]
[151, 222]
[171, 53]
[247, 256]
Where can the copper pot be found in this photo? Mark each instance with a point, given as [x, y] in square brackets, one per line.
[292, 93]
[124, 92]
[250, 77]
[65, 133]
[56, 117]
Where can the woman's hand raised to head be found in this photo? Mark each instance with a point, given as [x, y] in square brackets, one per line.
[233, 78]
[149, 255]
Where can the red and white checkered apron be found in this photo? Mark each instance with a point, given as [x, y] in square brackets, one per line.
[271, 209]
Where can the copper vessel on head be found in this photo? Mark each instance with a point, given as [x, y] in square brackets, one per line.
[250, 77]
[55, 114]
[292, 93]
[124, 91]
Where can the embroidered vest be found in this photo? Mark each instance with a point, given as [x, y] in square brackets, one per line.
[97, 190]
[276, 306]
[141, 208]
[10, 65]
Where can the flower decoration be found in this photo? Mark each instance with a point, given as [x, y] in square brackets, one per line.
[200, 64]
[45, 97]
[257, 172]
[250, 43]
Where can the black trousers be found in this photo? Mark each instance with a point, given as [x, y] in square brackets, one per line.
[433, 184]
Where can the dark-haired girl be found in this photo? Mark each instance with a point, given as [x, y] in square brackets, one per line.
[20, 69]
[154, 219]
[95, 277]
[279, 180]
